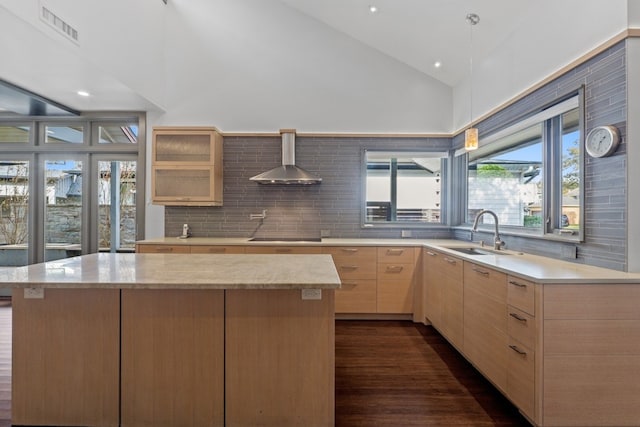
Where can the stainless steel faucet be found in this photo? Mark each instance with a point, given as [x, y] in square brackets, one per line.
[497, 242]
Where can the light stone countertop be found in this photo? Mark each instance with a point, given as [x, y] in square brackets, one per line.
[178, 271]
[531, 267]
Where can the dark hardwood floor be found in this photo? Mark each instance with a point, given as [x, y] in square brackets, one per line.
[394, 373]
[388, 373]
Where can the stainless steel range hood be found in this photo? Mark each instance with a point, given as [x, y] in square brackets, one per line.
[288, 173]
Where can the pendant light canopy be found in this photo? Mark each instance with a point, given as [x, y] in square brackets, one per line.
[471, 134]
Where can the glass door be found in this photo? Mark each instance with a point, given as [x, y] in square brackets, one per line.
[14, 212]
[63, 208]
[116, 184]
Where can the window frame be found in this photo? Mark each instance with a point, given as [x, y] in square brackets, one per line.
[445, 157]
[89, 151]
[551, 206]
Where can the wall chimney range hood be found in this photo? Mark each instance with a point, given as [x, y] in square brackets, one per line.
[288, 173]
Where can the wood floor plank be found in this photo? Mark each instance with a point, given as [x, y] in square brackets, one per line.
[391, 373]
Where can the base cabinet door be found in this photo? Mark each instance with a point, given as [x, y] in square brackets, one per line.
[486, 339]
[280, 359]
[66, 358]
[172, 358]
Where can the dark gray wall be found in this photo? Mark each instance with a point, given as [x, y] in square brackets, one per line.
[604, 78]
[335, 204]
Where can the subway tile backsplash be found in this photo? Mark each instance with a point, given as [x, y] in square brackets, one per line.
[294, 210]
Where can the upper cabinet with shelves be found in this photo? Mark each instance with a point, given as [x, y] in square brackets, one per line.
[187, 166]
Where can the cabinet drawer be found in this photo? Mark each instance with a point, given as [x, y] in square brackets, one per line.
[351, 254]
[394, 254]
[520, 377]
[217, 249]
[521, 326]
[486, 280]
[356, 296]
[283, 250]
[521, 294]
[164, 249]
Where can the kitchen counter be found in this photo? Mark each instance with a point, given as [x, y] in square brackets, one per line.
[531, 267]
[179, 271]
[166, 340]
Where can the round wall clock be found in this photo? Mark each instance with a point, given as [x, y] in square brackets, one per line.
[602, 141]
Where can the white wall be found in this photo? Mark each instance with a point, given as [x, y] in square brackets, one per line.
[259, 65]
[119, 55]
[551, 34]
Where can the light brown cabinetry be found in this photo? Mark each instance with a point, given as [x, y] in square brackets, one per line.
[213, 249]
[443, 294]
[279, 359]
[486, 339]
[522, 326]
[189, 249]
[395, 280]
[163, 249]
[292, 250]
[591, 357]
[357, 269]
[172, 357]
[186, 166]
[66, 352]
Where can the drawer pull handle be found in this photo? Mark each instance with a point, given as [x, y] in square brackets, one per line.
[394, 268]
[450, 261]
[431, 253]
[395, 251]
[282, 250]
[514, 283]
[350, 250]
[164, 249]
[350, 285]
[349, 267]
[517, 350]
[477, 270]
[518, 317]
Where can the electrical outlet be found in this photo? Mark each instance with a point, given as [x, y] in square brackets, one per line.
[405, 233]
[311, 294]
[325, 233]
[34, 293]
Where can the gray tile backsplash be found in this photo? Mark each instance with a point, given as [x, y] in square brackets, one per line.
[334, 205]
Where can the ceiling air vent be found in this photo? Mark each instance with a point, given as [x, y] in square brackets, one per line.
[56, 22]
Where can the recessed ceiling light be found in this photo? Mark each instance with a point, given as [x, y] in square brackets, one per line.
[373, 9]
[437, 64]
[83, 93]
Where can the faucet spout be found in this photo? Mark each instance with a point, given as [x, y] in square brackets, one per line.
[497, 241]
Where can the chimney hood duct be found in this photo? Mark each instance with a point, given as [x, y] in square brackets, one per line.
[288, 173]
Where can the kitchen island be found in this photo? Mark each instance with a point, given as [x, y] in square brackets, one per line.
[165, 340]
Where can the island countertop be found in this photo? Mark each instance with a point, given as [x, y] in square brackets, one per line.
[178, 271]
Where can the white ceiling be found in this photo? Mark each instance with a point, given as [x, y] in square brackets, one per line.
[421, 32]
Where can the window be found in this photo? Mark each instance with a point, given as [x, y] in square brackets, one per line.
[530, 174]
[402, 188]
[69, 186]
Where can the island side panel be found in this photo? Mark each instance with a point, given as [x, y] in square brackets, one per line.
[66, 358]
[172, 358]
[280, 358]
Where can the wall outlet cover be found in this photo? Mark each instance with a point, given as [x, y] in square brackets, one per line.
[312, 294]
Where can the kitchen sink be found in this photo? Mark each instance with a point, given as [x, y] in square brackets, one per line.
[476, 251]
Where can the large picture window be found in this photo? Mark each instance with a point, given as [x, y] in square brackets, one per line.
[530, 174]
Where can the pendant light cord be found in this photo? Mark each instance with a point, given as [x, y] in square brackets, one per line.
[472, 19]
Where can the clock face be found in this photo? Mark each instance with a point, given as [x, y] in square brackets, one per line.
[602, 141]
